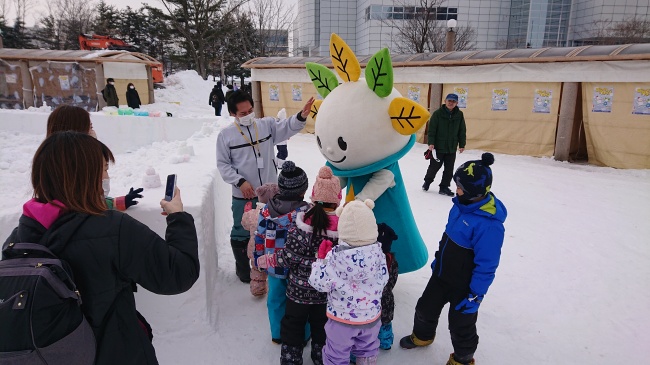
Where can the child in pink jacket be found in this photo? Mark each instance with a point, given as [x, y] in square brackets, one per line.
[249, 222]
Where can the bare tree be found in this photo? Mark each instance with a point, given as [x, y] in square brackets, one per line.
[196, 21]
[414, 34]
[5, 5]
[63, 23]
[22, 6]
[272, 20]
[606, 31]
[465, 39]
[418, 30]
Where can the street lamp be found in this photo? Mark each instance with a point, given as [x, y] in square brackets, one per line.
[451, 35]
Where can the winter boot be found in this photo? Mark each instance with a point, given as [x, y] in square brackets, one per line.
[386, 336]
[317, 353]
[372, 360]
[465, 360]
[426, 185]
[290, 355]
[258, 283]
[242, 263]
[445, 191]
[411, 342]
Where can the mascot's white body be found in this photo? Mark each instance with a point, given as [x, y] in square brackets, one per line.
[363, 127]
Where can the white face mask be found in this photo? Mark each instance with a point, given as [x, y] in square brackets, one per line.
[106, 186]
[131, 87]
[111, 83]
[247, 120]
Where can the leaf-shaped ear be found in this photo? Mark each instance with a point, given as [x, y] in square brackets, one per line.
[379, 73]
[314, 109]
[323, 78]
[407, 115]
[344, 61]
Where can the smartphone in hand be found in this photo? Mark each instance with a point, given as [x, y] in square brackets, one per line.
[170, 187]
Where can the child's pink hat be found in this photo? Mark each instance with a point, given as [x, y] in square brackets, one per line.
[266, 192]
[327, 188]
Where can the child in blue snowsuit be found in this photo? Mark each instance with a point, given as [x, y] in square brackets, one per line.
[465, 264]
[276, 218]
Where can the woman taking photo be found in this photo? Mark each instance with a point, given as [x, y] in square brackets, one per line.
[73, 118]
[108, 251]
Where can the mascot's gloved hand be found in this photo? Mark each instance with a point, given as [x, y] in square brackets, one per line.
[324, 248]
[470, 304]
[266, 261]
[132, 195]
[283, 152]
[386, 236]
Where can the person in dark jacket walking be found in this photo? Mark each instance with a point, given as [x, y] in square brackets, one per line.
[132, 97]
[217, 98]
[110, 94]
[465, 264]
[108, 251]
[446, 134]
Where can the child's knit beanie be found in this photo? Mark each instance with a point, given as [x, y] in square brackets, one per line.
[266, 192]
[474, 178]
[327, 188]
[357, 223]
[292, 180]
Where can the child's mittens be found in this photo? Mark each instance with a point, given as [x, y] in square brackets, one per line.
[266, 261]
[470, 304]
[324, 248]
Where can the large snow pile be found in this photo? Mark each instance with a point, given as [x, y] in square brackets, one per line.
[571, 287]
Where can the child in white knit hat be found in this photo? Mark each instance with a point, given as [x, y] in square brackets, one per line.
[353, 274]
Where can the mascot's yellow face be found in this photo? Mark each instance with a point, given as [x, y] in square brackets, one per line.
[359, 123]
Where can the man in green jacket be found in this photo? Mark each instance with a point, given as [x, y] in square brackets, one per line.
[110, 94]
[446, 134]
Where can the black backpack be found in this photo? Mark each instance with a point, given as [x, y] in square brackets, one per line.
[40, 310]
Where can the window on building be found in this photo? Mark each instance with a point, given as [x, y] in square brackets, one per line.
[379, 12]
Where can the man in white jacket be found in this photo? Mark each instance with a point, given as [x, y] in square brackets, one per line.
[245, 159]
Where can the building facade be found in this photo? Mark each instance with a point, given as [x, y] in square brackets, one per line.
[369, 25]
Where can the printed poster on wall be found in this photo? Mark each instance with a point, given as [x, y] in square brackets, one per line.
[11, 78]
[462, 93]
[296, 92]
[542, 102]
[603, 99]
[65, 82]
[500, 99]
[414, 93]
[641, 103]
[274, 92]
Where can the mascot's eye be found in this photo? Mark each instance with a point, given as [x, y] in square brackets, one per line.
[319, 144]
[342, 144]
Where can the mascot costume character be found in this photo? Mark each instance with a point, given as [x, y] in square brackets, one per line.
[363, 127]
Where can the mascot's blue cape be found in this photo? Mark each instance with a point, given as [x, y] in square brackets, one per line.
[393, 208]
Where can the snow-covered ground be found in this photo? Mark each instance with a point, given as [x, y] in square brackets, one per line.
[571, 288]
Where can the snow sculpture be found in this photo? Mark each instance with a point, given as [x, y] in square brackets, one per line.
[151, 179]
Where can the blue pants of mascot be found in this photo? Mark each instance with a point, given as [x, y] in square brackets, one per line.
[276, 302]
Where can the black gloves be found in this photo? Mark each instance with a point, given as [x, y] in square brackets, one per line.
[131, 196]
[386, 236]
[283, 152]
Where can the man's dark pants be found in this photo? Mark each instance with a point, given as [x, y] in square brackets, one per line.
[446, 159]
[239, 237]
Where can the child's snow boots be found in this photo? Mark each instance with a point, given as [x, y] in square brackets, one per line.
[466, 360]
[411, 342]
